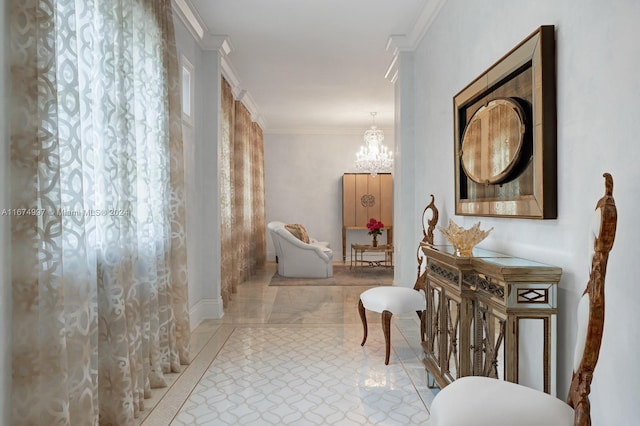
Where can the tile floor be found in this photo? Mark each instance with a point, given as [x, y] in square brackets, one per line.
[292, 356]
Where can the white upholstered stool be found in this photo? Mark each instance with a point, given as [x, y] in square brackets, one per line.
[390, 301]
[396, 300]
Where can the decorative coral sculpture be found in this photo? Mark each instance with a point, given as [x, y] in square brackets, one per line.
[464, 240]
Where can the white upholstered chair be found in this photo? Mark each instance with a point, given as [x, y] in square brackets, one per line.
[396, 300]
[477, 400]
[297, 258]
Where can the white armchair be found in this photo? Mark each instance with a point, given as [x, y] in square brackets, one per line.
[297, 258]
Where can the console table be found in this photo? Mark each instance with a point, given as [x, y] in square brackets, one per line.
[361, 249]
[389, 230]
[492, 315]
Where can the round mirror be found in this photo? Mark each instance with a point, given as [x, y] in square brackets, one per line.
[492, 141]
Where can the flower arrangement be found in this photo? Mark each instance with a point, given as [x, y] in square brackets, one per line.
[375, 227]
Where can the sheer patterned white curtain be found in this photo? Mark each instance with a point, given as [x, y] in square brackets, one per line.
[99, 282]
[229, 278]
[242, 206]
[258, 226]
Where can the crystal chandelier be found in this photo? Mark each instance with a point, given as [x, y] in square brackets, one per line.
[373, 156]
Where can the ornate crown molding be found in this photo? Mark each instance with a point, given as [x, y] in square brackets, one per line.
[191, 19]
[222, 44]
[219, 42]
[409, 42]
[248, 101]
[321, 131]
[424, 21]
[397, 43]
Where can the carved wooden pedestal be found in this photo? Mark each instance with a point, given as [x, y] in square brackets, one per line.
[490, 315]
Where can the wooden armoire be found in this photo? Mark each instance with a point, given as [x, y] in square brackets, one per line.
[365, 196]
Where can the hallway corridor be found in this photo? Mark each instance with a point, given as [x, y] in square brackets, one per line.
[291, 355]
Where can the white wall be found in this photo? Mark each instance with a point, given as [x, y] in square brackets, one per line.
[201, 159]
[303, 183]
[5, 223]
[406, 203]
[598, 57]
[188, 48]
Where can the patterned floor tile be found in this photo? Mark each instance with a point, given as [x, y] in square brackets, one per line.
[292, 356]
[300, 376]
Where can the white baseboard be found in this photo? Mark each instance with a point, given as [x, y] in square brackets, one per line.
[205, 309]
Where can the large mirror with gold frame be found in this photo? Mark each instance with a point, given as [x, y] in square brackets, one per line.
[505, 135]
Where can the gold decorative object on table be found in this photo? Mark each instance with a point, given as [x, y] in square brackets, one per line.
[464, 240]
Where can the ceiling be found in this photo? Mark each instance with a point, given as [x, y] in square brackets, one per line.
[313, 65]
